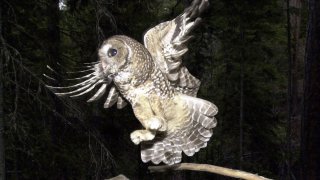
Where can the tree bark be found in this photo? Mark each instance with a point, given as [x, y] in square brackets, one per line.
[310, 155]
[295, 77]
[296, 63]
[289, 96]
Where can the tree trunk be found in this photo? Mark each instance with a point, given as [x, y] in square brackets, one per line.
[289, 96]
[2, 147]
[311, 119]
[295, 77]
[297, 63]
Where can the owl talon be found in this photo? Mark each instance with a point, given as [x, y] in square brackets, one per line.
[135, 139]
[141, 135]
[156, 124]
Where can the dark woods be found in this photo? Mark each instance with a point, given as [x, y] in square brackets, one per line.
[249, 55]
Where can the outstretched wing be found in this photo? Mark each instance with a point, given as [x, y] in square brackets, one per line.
[167, 43]
[190, 138]
[93, 81]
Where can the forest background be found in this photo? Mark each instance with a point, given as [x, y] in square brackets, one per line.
[249, 55]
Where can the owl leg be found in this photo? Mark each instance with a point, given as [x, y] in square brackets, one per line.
[141, 135]
[148, 116]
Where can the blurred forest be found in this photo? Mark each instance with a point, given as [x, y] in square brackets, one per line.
[249, 55]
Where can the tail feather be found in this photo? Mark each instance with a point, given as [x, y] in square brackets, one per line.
[193, 136]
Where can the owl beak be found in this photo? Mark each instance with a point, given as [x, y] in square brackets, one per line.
[106, 73]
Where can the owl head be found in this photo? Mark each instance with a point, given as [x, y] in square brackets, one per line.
[124, 59]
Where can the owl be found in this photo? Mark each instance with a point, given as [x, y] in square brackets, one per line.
[160, 89]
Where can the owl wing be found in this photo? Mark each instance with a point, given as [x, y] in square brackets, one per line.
[190, 136]
[167, 43]
[92, 81]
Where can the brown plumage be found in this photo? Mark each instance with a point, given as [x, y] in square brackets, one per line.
[159, 88]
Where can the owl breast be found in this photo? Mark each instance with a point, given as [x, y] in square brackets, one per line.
[132, 94]
[131, 86]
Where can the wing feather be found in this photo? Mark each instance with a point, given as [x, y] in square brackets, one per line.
[112, 97]
[87, 84]
[121, 102]
[193, 135]
[167, 43]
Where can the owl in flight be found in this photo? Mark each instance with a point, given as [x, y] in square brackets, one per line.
[160, 89]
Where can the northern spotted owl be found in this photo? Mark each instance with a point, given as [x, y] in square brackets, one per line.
[160, 89]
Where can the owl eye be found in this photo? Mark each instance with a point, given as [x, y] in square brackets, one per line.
[112, 52]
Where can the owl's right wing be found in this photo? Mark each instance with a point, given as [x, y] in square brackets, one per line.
[92, 81]
[167, 43]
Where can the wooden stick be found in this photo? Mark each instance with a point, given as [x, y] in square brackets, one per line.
[207, 168]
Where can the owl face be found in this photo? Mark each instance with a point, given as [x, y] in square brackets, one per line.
[125, 60]
[114, 54]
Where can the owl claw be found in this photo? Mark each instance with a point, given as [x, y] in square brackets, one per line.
[135, 139]
[156, 124]
[141, 135]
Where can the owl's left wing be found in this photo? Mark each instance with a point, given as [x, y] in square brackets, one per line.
[93, 81]
[167, 43]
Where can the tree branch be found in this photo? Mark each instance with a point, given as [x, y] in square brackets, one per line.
[207, 168]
